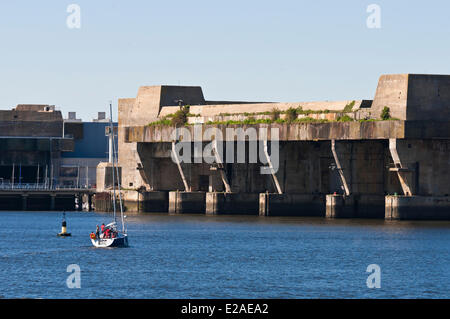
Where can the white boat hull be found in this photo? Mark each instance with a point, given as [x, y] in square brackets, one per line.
[121, 241]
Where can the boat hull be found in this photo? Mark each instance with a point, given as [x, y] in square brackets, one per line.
[121, 241]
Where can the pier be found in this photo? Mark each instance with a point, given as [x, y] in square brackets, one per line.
[35, 198]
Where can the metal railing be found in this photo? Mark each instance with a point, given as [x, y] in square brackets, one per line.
[41, 186]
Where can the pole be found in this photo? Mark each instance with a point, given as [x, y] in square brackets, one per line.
[110, 149]
[113, 163]
[78, 176]
[51, 163]
[116, 167]
[37, 178]
[46, 177]
[51, 176]
[12, 178]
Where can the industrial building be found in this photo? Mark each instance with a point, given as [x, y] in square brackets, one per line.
[41, 153]
[336, 158]
[31, 143]
[91, 147]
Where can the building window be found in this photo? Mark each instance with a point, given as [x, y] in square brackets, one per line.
[68, 171]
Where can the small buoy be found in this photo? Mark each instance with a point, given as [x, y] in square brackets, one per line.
[64, 232]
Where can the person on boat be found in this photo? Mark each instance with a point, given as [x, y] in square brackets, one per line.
[103, 227]
[97, 232]
[107, 233]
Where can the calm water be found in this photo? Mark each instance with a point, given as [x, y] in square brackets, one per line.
[224, 257]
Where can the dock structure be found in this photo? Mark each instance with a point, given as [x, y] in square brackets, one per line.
[42, 199]
[383, 158]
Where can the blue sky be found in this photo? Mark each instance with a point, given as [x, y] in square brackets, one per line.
[236, 50]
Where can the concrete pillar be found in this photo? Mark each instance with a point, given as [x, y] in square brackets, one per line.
[80, 202]
[52, 201]
[187, 202]
[211, 206]
[24, 201]
[173, 202]
[264, 204]
[85, 202]
[90, 202]
[339, 206]
[334, 205]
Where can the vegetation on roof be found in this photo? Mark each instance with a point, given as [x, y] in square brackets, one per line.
[180, 118]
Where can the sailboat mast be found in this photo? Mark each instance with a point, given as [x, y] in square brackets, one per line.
[117, 170]
[113, 161]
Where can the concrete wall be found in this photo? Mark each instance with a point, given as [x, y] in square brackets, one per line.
[307, 169]
[306, 163]
[135, 201]
[104, 176]
[392, 91]
[430, 162]
[355, 206]
[128, 158]
[414, 96]
[428, 97]
[232, 203]
[291, 205]
[409, 97]
[187, 202]
[31, 123]
[31, 137]
[286, 132]
[418, 207]
[213, 110]
[149, 100]
[304, 167]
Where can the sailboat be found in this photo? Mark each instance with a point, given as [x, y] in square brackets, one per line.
[112, 236]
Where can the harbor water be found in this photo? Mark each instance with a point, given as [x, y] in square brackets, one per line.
[198, 256]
